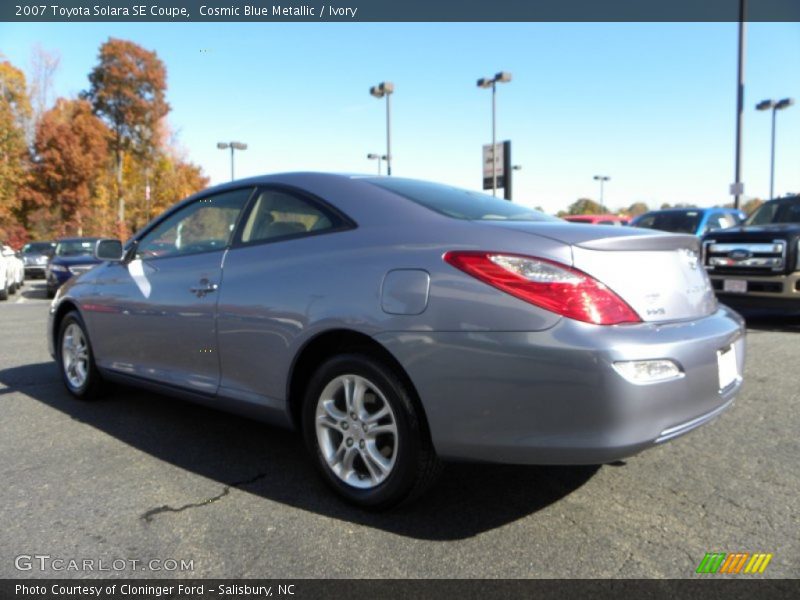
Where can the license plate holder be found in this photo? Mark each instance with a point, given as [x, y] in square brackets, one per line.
[727, 366]
[734, 286]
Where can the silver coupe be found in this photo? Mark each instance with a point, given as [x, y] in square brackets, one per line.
[398, 323]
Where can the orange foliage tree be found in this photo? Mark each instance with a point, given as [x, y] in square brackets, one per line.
[71, 150]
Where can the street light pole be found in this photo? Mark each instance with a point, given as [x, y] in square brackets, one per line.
[738, 187]
[373, 156]
[602, 179]
[386, 88]
[233, 146]
[485, 82]
[775, 106]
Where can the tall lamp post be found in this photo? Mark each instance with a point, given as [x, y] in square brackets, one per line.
[775, 105]
[491, 82]
[379, 157]
[233, 146]
[602, 179]
[386, 88]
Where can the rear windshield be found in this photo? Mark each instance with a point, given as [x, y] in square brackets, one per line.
[676, 222]
[458, 203]
[776, 212]
[75, 248]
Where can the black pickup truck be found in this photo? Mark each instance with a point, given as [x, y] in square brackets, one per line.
[757, 265]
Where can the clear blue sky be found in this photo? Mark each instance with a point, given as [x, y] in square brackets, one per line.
[651, 105]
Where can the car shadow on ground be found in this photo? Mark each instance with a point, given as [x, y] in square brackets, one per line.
[271, 462]
[34, 289]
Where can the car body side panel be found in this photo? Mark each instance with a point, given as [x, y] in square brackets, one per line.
[277, 296]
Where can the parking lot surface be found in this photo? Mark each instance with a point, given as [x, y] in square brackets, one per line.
[141, 477]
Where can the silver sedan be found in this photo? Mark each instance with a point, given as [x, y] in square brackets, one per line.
[398, 323]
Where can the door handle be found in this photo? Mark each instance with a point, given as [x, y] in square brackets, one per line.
[206, 287]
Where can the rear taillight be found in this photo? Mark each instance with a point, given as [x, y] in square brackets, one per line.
[550, 285]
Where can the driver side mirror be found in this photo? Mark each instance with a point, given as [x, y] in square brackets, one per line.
[108, 249]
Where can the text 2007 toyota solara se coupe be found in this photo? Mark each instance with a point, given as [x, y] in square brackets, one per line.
[399, 322]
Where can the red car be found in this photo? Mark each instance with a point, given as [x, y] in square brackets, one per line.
[598, 219]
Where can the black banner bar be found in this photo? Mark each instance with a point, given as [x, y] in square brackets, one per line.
[394, 10]
[709, 587]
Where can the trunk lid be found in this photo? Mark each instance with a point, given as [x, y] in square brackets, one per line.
[660, 275]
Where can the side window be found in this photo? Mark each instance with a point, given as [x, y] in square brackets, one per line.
[204, 225]
[278, 214]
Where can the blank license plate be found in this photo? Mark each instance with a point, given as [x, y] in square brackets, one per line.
[728, 370]
[737, 286]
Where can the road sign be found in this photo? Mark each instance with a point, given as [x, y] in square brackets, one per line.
[498, 165]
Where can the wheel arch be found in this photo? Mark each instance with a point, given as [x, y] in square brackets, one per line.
[64, 307]
[340, 341]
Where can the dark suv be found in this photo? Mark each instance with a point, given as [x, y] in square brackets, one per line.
[758, 265]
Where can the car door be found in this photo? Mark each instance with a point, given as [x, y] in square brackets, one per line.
[275, 275]
[153, 316]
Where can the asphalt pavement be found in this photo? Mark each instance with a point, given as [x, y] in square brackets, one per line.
[146, 480]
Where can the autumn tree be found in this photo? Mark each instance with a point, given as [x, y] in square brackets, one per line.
[127, 90]
[71, 152]
[585, 206]
[637, 208]
[751, 205]
[15, 114]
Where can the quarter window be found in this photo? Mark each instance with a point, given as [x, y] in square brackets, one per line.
[278, 214]
[203, 226]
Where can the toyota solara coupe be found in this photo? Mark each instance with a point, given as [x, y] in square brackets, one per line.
[398, 323]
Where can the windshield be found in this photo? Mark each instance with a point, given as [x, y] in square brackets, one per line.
[37, 248]
[458, 203]
[75, 248]
[673, 221]
[776, 212]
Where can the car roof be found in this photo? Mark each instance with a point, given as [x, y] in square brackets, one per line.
[78, 239]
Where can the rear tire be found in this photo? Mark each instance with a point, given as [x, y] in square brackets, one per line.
[76, 359]
[365, 434]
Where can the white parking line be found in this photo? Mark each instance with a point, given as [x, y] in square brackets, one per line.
[21, 299]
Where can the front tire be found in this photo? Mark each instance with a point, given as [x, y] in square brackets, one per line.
[76, 360]
[365, 434]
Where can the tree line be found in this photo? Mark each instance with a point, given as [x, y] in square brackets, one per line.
[587, 206]
[100, 164]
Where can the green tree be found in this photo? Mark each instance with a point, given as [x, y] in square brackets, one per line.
[586, 206]
[127, 90]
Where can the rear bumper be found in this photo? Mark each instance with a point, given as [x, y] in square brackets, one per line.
[553, 397]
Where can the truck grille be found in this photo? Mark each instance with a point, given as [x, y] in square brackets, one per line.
[744, 258]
